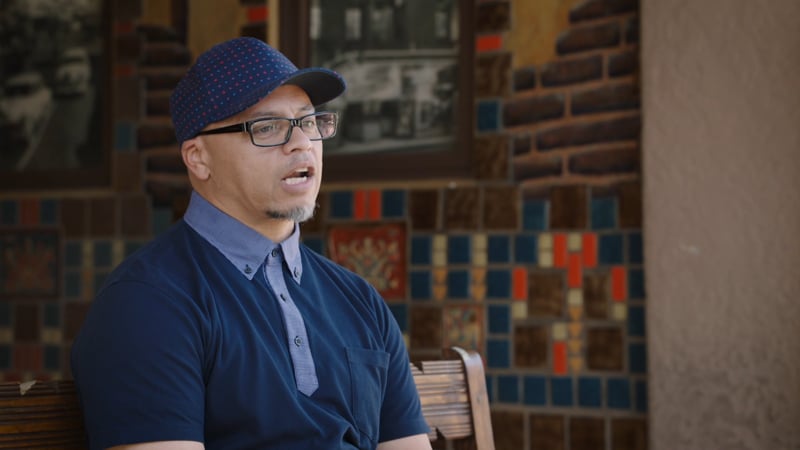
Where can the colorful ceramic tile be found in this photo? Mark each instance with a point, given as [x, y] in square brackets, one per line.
[575, 297]
[604, 213]
[574, 270]
[561, 391]
[508, 388]
[463, 327]
[590, 392]
[520, 283]
[421, 252]
[546, 258]
[589, 250]
[519, 310]
[530, 346]
[618, 284]
[499, 318]
[559, 331]
[619, 393]
[377, 253]
[394, 203]
[420, 282]
[534, 215]
[478, 284]
[525, 249]
[619, 311]
[560, 358]
[488, 43]
[458, 249]
[498, 283]
[488, 113]
[560, 250]
[341, 204]
[535, 390]
[574, 242]
[30, 263]
[498, 353]
[499, 249]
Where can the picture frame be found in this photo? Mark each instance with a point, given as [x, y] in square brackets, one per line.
[408, 109]
[55, 100]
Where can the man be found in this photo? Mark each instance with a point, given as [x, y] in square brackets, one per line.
[226, 332]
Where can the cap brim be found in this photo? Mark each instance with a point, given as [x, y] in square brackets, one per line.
[322, 85]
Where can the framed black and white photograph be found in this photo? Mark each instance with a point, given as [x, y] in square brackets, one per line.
[54, 96]
[407, 111]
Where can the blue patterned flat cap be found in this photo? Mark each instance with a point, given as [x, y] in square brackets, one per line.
[235, 75]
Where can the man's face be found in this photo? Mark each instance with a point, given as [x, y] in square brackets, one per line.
[261, 185]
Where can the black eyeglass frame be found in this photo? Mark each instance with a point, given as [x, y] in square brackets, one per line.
[247, 127]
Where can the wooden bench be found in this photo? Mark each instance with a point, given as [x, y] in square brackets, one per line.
[46, 414]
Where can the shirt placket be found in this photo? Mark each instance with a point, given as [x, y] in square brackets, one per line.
[305, 373]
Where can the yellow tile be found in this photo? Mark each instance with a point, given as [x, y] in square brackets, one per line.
[575, 329]
[575, 346]
[6, 336]
[575, 313]
[480, 258]
[88, 254]
[545, 258]
[479, 292]
[51, 336]
[619, 311]
[576, 364]
[546, 241]
[440, 243]
[559, 331]
[439, 276]
[439, 258]
[439, 292]
[574, 241]
[478, 276]
[406, 339]
[575, 297]
[480, 242]
[519, 310]
[117, 252]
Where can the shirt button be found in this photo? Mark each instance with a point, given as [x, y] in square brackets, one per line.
[275, 253]
[298, 341]
[296, 272]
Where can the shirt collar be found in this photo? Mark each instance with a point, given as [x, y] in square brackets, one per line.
[243, 246]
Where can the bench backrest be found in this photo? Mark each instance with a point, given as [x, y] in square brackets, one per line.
[46, 414]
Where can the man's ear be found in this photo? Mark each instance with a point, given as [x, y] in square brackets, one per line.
[195, 157]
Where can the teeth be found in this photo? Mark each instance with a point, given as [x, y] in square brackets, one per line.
[296, 180]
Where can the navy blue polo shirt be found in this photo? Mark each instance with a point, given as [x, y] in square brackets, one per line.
[188, 340]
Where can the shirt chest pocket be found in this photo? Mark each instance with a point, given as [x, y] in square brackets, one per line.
[368, 369]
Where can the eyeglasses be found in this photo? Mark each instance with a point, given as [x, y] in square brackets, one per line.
[273, 131]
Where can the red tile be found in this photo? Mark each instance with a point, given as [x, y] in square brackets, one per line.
[560, 358]
[574, 271]
[520, 283]
[619, 279]
[589, 247]
[29, 211]
[28, 357]
[257, 14]
[359, 204]
[489, 43]
[374, 204]
[560, 250]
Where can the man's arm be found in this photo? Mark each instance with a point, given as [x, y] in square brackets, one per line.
[415, 442]
[165, 445]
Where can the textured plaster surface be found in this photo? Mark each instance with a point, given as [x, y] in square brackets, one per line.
[721, 170]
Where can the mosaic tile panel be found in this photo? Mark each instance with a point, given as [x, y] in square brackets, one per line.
[30, 264]
[461, 209]
[377, 253]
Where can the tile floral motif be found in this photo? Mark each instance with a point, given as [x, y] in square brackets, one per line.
[378, 253]
[463, 326]
[29, 264]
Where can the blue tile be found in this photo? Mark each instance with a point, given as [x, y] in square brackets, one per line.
[458, 284]
[499, 249]
[610, 249]
[507, 389]
[5, 357]
[99, 279]
[48, 212]
[561, 391]
[393, 203]
[341, 204]
[499, 319]
[498, 355]
[316, 244]
[5, 314]
[604, 213]
[161, 220]
[635, 250]
[131, 247]
[535, 390]
[458, 250]
[9, 212]
[400, 313]
[619, 393]
[52, 357]
[636, 284]
[124, 136]
[489, 390]
[636, 321]
[498, 283]
[640, 394]
[420, 282]
[52, 315]
[534, 215]
[637, 353]
[590, 392]
[421, 250]
[102, 254]
[488, 115]
[526, 249]
[72, 284]
[73, 254]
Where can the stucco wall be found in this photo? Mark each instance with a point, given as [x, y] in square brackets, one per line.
[721, 169]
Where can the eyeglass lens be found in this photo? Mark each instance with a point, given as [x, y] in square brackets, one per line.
[317, 126]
